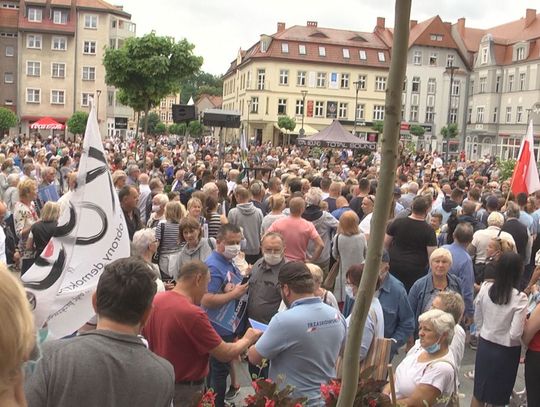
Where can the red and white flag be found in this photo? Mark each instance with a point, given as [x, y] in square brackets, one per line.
[525, 178]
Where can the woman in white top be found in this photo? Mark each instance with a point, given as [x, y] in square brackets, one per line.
[276, 203]
[500, 312]
[427, 377]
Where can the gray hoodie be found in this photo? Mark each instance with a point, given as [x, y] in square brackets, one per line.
[249, 218]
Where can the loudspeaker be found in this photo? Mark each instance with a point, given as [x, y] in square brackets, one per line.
[183, 113]
[221, 118]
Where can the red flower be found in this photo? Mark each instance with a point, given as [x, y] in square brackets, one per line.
[372, 403]
[269, 403]
[251, 399]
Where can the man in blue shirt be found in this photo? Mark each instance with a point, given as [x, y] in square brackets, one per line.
[225, 302]
[303, 342]
[462, 266]
[398, 315]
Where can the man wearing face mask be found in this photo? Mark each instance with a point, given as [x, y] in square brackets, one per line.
[264, 291]
[303, 342]
[225, 301]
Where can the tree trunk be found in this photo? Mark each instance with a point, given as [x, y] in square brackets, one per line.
[389, 148]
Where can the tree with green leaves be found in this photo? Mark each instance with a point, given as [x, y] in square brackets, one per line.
[195, 128]
[450, 131]
[417, 130]
[153, 120]
[8, 119]
[77, 122]
[378, 126]
[178, 128]
[146, 69]
[160, 128]
[286, 124]
[199, 84]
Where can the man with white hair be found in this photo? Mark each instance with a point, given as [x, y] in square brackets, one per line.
[406, 200]
[144, 193]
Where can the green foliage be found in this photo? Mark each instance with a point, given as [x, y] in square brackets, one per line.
[378, 126]
[200, 83]
[177, 128]
[160, 128]
[195, 128]
[449, 131]
[506, 167]
[287, 123]
[417, 130]
[153, 120]
[8, 119]
[146, 69]
[77, 122]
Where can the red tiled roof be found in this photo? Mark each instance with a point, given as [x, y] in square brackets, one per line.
[102, 5]
[66, 3]
[515, 31]
[9, 18]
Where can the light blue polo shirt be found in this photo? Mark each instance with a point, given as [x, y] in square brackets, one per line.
[302, 345]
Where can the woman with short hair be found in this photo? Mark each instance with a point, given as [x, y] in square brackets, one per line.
[24, 216]
[318, 278]
[43, 230]
[145, 245]
[276, 204]
[168, 234]
[195, 246]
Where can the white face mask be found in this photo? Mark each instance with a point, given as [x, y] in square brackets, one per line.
[273, 259]
[349, 290]
[231, 251]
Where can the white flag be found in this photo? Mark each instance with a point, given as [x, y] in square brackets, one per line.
[91, 233]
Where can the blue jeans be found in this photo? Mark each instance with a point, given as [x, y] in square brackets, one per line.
[217, 378]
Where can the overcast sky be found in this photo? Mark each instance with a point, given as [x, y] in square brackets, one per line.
[218, 28]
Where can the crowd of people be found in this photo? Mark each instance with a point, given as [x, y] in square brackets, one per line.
[279, 242]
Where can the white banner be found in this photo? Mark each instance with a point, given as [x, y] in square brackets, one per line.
[91, 233]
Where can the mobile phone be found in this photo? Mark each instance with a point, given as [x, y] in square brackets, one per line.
[246, 279]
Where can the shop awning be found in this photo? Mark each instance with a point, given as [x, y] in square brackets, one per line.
[47, 123]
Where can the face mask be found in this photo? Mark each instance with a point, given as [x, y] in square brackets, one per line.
[431, 349]
[349, 290]
[273, 259]
[231, 251]
[33, 173]
[156, 208]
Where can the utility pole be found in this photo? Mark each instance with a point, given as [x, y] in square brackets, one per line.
[451, 68]
[357, 85]
[302, 131]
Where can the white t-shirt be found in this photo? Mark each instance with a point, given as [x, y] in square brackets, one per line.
[365, 225]
[457, 347]
[411, 373]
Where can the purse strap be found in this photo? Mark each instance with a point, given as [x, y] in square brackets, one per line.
[455, 392]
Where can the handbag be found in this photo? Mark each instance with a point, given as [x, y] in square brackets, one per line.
[330, 279]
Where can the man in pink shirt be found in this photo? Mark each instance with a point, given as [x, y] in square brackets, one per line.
[297, 232]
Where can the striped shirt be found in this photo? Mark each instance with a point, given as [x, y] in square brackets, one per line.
[171, 236]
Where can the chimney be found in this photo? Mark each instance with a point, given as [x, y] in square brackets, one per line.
[280, 27]
[412, 24]
[312, 24]
[461, 26]
[530, 16]
[380, 22]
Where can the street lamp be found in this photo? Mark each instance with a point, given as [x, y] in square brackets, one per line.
[451, 68]
[249, 108]
[98, 92]
[302, 131]
[357, 85]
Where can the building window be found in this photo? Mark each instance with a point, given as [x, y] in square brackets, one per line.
[301, 49]
[35, 14]
[33, 95]
[497, 84]
[8, 77]
[436, 37]
[520, 53]
[319, 109]
[85, 98]
[417, 58]
[34, 41]
[431, 86]
[284, 48]
[414, 114]
[469, 115]
[89, 47]
[342, 110]
[299, 111]
[381, 56]
[163, 116]
[471, 84]
[90, 21]
[453, 115]
[362, 54]
[510, 83]
[321, 79]
[10, 51]
[362, 81]
[344, 80]
[522, 81]
[89, 73]
[322, 51]
[33, 68]
[519, 114]
[254, 104]
[360, 112]
[380, 83]
[346, 53]
[248, 80]
[59, 43]
[484, 56]
[508, 114]
[479, 115]
[58, 70]
[282, 106]
[416, 84]
[483, 84]
[456, 88]
[433, 59]
[430, 100]
[283, 76]
[301, 78]
[495, 115]
[430, 114]
[60, 17]
[261, 76]
[58, 97]
[378, 112]
[450, 60]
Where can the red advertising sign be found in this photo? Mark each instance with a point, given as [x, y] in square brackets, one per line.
[309, 108]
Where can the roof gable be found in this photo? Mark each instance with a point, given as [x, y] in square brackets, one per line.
[433, 33]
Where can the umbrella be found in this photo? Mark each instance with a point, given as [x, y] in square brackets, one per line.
[335, 136]
[47, 123]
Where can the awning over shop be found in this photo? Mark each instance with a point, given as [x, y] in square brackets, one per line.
[47, 123]
[335, 136]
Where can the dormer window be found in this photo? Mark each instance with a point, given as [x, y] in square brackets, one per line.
[35, 14]
[362, 54]
[520, 53]
[382, 58]
[436, 37]
[60, 16]
[484, 56]
[346, 53]
[302, 49]
[322, 51]
[284, 48]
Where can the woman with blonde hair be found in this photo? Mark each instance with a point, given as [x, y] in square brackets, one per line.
[318, 278]
[42, 231]
[168, 235]
[17, 338]
[349, 247]
[24, 216]
[276, 204]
